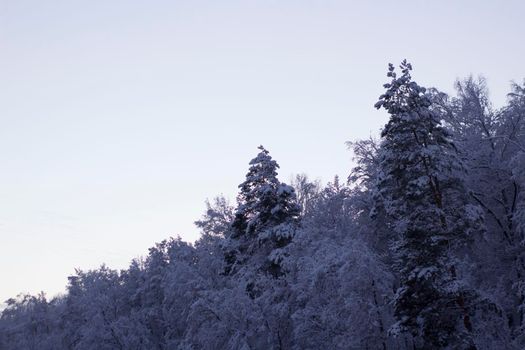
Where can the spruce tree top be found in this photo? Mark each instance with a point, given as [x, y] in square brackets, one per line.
[409, 105]
[263, 201]
[418, 158]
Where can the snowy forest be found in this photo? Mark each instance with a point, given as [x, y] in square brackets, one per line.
[422, 246]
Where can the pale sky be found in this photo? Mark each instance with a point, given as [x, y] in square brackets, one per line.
[119, 118]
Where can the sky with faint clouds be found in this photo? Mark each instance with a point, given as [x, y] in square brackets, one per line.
[119, 118]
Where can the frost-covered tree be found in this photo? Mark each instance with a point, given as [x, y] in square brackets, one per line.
[31, 322]
[332, 209]
[93, 307]
[217, 218]
[366, 210]
[491, 141]
[341, 289]
[422, 190]
[306, 191]
[265, 219]
[251, 310]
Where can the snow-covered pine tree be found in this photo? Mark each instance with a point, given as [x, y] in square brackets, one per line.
[421, 188]
[265, 218]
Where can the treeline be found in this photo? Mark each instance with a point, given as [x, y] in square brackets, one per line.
[422, 248]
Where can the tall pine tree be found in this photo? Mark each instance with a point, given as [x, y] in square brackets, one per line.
[420, 184]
